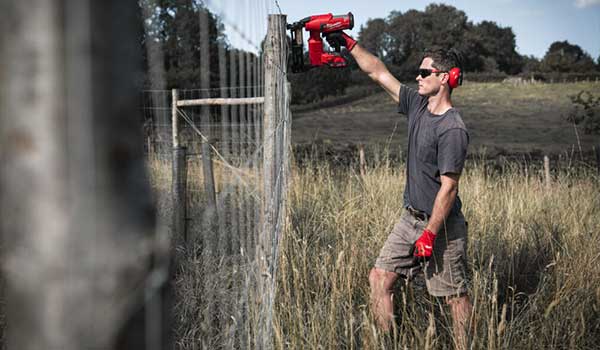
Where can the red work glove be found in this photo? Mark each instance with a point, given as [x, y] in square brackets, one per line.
[338, 39]
[424, 245]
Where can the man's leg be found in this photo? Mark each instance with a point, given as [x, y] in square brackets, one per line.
[382, 305]
[461, 309]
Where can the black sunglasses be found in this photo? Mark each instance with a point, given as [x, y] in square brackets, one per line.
[424, 73]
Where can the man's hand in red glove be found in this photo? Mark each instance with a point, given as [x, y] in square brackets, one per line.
[338, 39]
[424, 245]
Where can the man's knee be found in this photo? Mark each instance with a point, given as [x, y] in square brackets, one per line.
[458, 300]
[381, 280]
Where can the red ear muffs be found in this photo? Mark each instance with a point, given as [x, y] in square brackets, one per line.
[455, 79]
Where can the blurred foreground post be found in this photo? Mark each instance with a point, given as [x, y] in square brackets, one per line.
[81, 264]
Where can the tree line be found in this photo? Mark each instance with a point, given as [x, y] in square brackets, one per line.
[401, 38]
[487, 49]
[173, 56]
[174, 37]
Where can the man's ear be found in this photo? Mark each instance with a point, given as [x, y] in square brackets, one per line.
[445, 78]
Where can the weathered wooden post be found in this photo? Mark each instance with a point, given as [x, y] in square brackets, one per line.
[361, 160]
[597, 149]
[76, 215]
[209, 178]
[547, 178]
[275, 69]
[210, 218]
[178, 181]
[174, 118]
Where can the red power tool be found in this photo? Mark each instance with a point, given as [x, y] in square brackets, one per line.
[316, 25]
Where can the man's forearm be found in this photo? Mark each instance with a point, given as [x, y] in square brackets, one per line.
[441, 207]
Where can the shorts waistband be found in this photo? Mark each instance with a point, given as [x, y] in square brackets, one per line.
[417, 214]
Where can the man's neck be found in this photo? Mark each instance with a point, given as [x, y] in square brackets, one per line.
[439, 104]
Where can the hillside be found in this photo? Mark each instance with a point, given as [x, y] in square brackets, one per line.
[501, 118]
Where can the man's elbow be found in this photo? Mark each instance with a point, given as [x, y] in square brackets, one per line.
[450, 184]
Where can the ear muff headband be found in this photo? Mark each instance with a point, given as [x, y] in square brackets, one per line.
[455, 79]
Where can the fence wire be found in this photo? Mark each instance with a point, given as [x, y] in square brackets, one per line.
[235, 173]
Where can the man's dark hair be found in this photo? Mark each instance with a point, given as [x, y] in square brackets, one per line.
[443, 59]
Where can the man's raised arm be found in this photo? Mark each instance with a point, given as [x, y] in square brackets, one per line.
[368, 63]
[376, 70]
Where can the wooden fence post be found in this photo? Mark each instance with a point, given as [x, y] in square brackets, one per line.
[361, 160]
[547, 172]
[174, 118]
[178, 181]
[274, 65]
[209, 178]
[179, 195]
[597, 149]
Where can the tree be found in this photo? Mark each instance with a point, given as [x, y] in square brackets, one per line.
[531, 64]
[498, 44]
[443, 26]
[414, 31]
[471, 49]
[373, 36]
[565, 57]
[174, 28]
[403, 37]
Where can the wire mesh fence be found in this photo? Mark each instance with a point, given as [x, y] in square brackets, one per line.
[225, 143]
[84, 263]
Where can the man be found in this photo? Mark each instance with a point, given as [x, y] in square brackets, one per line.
[432, 229]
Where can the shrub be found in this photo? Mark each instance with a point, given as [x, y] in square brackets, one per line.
[586, 111]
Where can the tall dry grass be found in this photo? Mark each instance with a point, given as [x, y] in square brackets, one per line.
[533, 258]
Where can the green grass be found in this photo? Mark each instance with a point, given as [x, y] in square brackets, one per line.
[501, 117]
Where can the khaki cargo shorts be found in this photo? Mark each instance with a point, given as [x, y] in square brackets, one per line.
[445, 272]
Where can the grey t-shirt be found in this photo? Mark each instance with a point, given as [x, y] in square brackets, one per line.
[437, 145]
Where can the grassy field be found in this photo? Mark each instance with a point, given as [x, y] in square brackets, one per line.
[532, 255]
[532, 249]
[501, 117]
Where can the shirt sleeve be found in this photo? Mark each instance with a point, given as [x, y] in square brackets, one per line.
[409, 99]
[452, 151]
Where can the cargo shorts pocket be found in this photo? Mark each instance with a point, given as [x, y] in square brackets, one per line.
[445, 272]
[397, 252]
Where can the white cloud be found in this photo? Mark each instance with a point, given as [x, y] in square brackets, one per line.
[586, 3]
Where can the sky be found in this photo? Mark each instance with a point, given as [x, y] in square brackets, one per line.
[536, 23]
